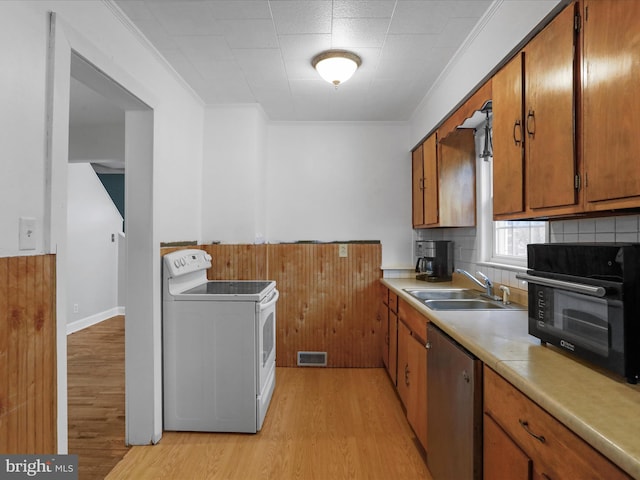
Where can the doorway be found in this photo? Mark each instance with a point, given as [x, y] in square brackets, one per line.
[72, 55]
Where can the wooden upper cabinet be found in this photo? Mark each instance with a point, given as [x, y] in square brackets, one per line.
[549, 114]
[425, 184]
[431, 182]
[417, 177]
[457, 168]
[508, 139]
[611, 101]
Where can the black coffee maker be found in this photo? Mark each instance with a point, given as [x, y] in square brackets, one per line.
[434, 260]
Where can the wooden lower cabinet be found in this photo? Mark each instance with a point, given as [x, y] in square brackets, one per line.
[412, 375]
[521, 440]
[389, 317]
[502, 458]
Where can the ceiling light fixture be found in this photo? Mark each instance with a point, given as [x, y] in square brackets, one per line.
[336, 66]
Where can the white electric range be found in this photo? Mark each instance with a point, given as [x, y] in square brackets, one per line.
[219, 347]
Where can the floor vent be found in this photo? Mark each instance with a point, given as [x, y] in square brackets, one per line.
[312, 359]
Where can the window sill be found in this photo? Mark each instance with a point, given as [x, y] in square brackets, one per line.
[504, 266]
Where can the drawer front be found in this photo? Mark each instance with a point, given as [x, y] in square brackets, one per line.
[416, 322]
[555, 450]
[393, 301]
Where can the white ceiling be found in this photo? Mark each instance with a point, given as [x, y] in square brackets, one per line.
[260, 51]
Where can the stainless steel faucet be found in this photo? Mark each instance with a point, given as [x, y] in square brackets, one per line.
[486, 283]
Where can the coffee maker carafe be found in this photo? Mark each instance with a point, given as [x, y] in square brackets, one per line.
[434, 260]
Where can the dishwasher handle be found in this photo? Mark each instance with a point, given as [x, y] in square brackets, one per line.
[270, 300]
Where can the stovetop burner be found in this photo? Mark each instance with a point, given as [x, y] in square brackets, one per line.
[225, 287]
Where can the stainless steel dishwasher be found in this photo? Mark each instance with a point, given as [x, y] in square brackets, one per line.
[454, 409]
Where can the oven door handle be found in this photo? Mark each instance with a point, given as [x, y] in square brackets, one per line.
[571, 286]
[271, 300]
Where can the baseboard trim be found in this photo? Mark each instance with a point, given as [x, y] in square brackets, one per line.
[93, 319]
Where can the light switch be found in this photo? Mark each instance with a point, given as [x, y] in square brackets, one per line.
[27, 233]
[343, 250]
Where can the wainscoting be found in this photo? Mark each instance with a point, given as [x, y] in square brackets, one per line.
[28, 355]
[327, 303]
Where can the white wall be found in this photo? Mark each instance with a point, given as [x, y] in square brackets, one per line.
[95, 143]
[233, 209]
[92, 267]
[282, 182]
[341, 181]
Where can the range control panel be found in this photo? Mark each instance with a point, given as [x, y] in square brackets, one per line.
[183, 262]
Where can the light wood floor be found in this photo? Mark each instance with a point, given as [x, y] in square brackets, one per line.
[95, 364]
[322, 424]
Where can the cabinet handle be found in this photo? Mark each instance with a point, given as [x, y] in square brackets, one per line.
[422, 184]
[406, 375]
[524, 424]
[531, 118]
[545, 476]
[517, 127]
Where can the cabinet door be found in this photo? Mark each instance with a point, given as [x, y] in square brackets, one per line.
[508, 144]
[501, 457]
[611, 99]
[417, 179]
[404, 334]
[430, 181]
[549, 122]
[384, 313]
[417, 399]
[393, 347]
[457, 170]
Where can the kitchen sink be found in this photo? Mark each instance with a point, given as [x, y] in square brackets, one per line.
[463, 304]
[458, 299]
[441, 294]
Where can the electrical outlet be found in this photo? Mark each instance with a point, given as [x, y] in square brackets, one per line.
[343, 250]
[75, 308]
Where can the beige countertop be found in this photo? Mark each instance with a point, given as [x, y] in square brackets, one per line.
[602, 409]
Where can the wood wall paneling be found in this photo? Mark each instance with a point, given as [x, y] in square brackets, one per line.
[327, 303]
[27, 355]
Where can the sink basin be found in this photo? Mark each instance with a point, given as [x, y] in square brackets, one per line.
[441, 294]
[457, 299]
[467, 304]
[463, 304]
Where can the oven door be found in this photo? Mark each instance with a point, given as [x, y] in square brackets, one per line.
[266, 348]
[583, 318]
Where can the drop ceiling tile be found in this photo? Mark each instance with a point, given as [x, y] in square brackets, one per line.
[157, 35]
[185, 18]
[136, 10]
[418, 17]
[303, 47]
[310, 16]
[363, 8]
[240, 9]
[266, 64]
[359, 32]
[251, 33]
[204, 47]
[456, 31]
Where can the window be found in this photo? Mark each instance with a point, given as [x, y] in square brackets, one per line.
[502, 242]
[510, 238]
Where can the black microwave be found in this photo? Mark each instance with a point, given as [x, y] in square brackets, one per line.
[585, 299]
